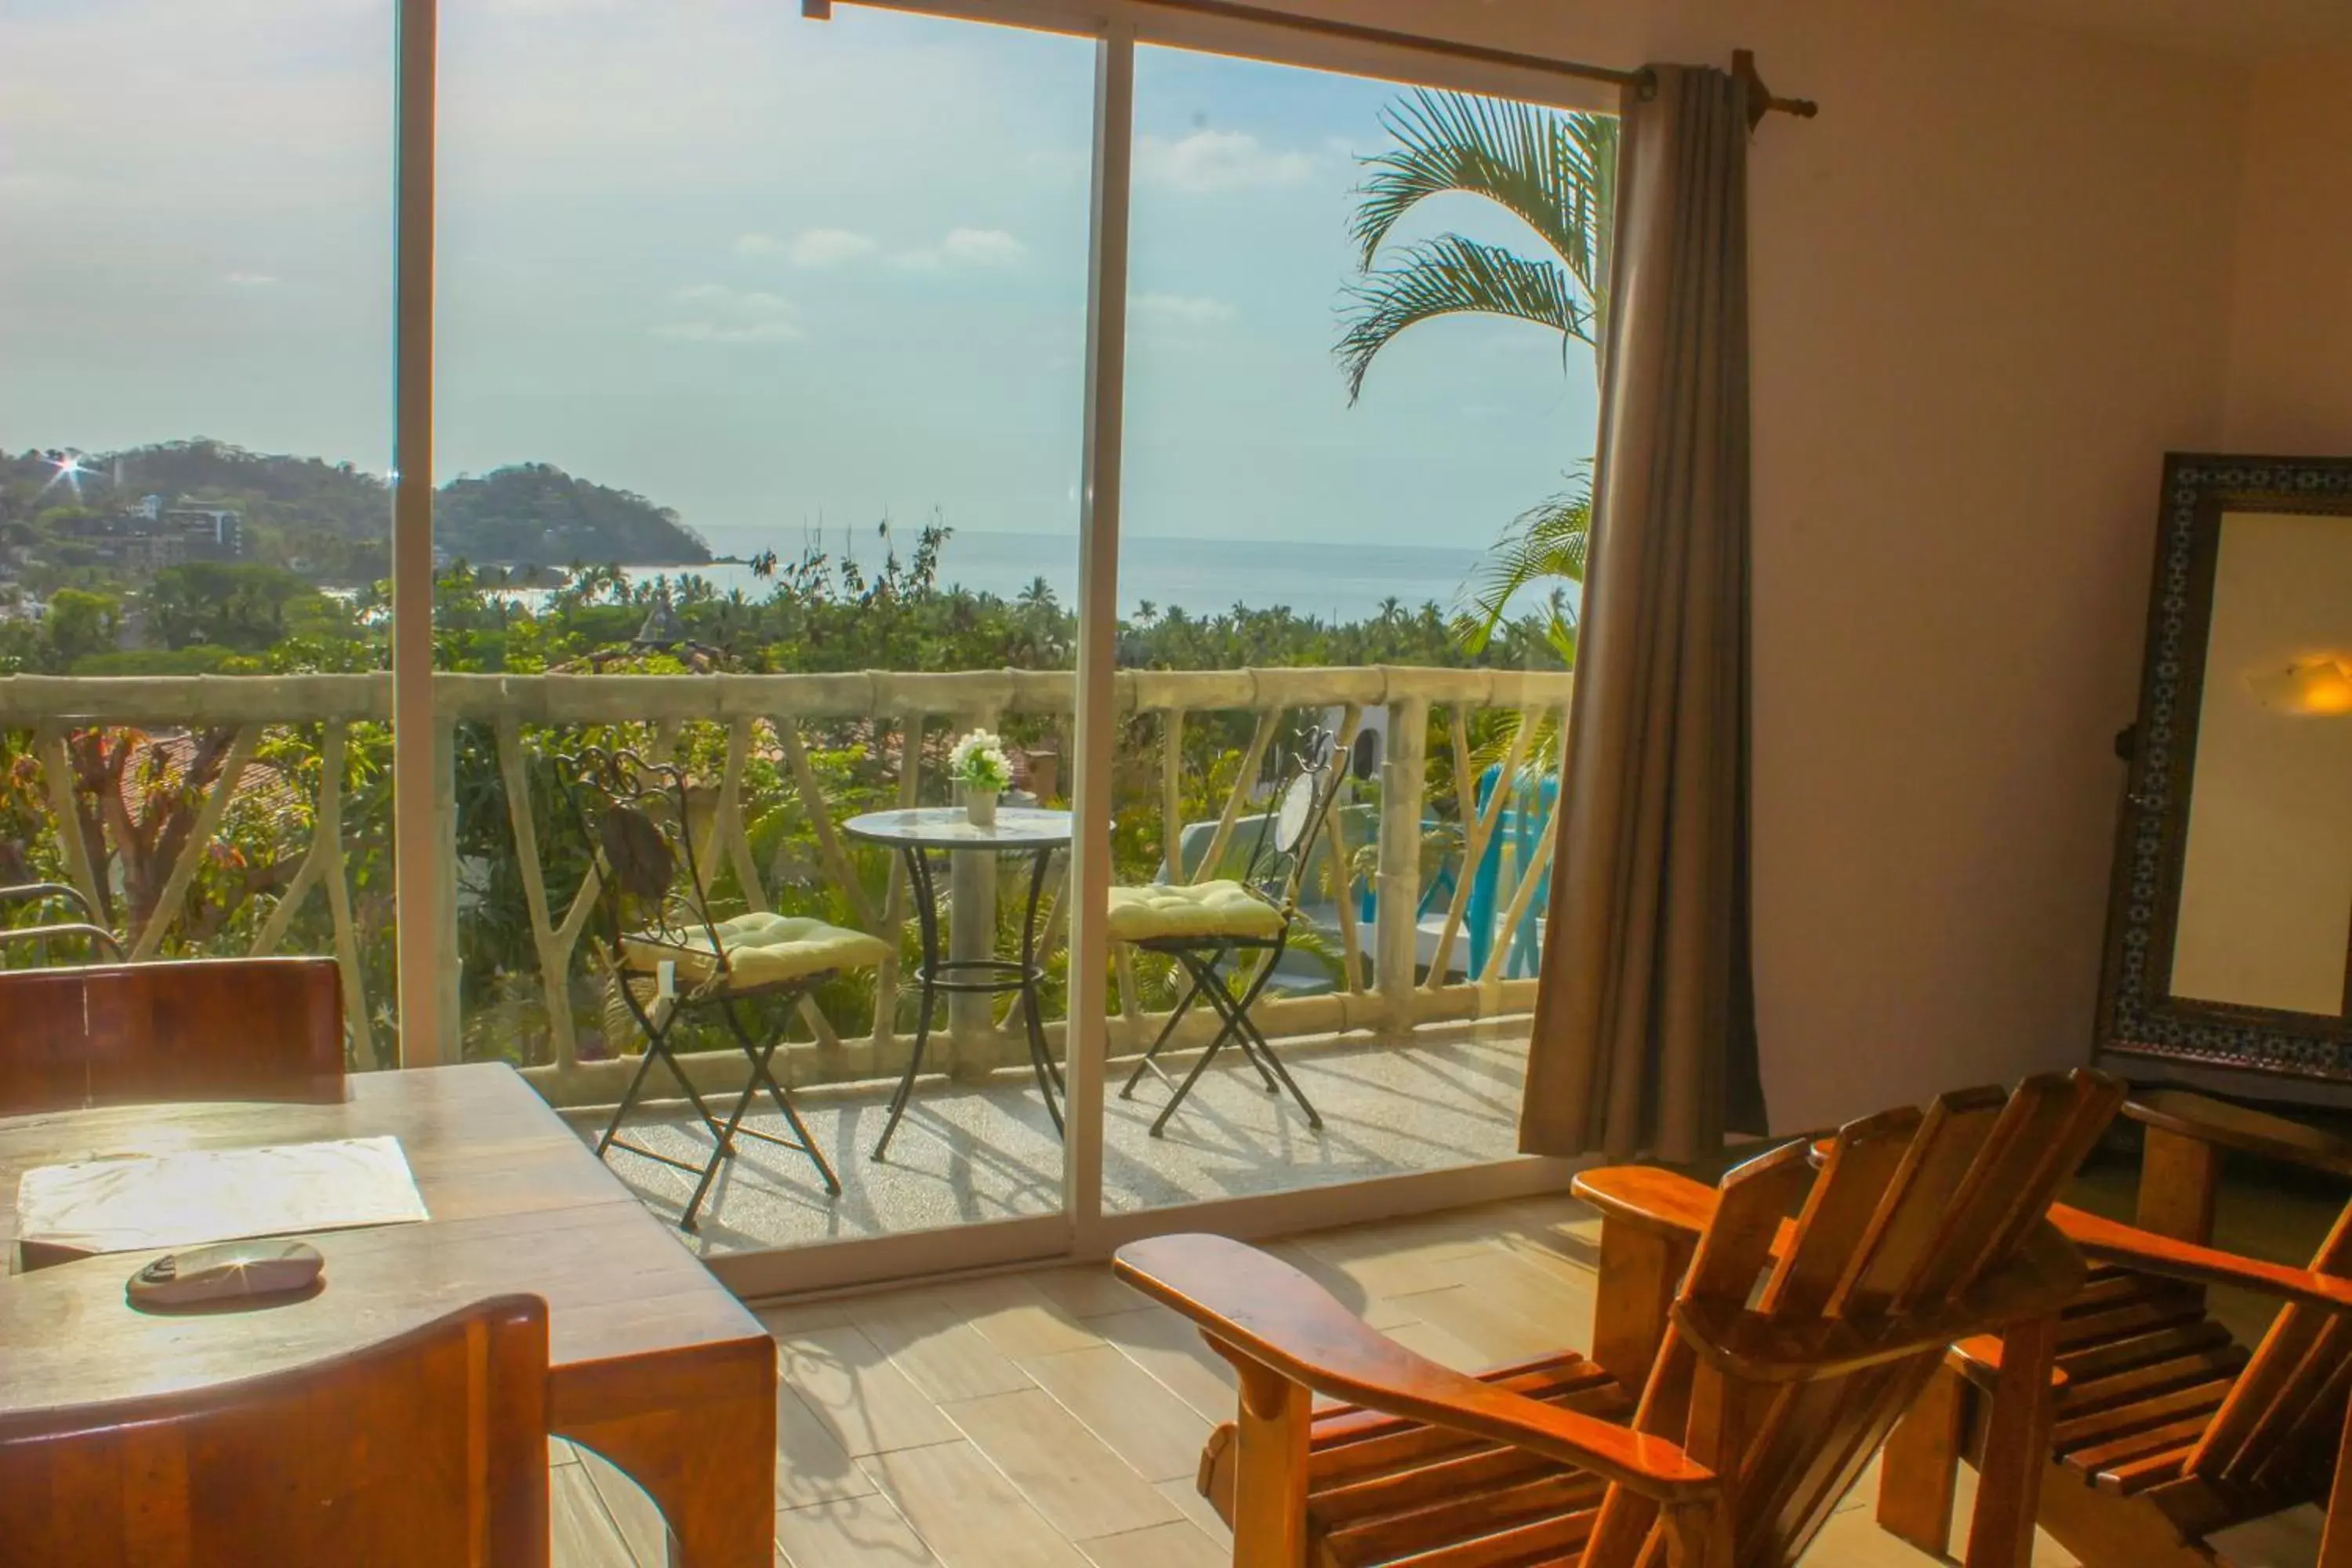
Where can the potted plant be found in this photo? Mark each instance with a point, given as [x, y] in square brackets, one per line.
[981, 769]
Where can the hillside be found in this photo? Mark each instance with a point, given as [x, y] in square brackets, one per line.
[537, 513]
[335, 519]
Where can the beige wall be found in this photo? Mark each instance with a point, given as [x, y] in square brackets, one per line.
[1989, 291]
[2290, 381]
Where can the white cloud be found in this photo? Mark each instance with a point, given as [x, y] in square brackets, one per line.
[251, 280]
[1208, 162]
[810, 247]
[1191, 310]
[982, 248]
[962, 248]
[713, 313]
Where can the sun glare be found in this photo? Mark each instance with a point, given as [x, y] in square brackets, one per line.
[70, 469]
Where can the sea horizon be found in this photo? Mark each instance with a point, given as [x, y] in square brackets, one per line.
[1332, 582]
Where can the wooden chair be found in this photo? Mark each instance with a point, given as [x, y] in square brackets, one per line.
[1751, 1421]
[208, 1029]
[2167, 1429]
[428, 1450]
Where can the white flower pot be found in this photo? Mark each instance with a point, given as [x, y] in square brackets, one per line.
[980, 806]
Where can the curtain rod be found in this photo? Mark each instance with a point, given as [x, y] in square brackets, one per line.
[1743, 61]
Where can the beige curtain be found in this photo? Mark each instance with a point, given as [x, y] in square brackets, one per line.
[1645, 1035]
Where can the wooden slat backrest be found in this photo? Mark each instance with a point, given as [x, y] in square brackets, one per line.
[428, 1450]
[1908, 1216]
[2282, 1416]
[126, 1033]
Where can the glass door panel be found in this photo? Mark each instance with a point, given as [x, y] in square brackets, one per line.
[761, 386]
[195, 429]
[1337, 407]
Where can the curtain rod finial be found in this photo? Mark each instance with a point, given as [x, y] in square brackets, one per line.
[816, 10]
[1760, 100]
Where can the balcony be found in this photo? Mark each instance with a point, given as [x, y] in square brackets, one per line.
[251, 814]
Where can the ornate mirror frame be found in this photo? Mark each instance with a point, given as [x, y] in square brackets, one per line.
[2139, 1016]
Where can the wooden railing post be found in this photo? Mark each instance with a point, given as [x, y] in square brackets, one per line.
[1403, 788]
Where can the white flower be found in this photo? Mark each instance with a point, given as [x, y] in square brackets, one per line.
[978, 762]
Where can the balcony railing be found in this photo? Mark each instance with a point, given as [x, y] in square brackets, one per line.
[1398, 948]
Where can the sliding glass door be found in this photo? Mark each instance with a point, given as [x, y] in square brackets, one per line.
[761, 379]
[780, 378]
[1335, 403]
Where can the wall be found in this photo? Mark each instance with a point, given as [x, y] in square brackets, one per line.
[1989, 291]
[2289, 378]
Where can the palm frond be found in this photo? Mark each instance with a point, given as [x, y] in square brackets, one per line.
[1452, 276]
[1543, 749]
[1557, 171]
[1545, 544]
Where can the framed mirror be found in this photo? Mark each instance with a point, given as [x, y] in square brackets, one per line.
[2229, 921]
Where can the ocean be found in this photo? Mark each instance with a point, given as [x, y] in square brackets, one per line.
[1203, 576]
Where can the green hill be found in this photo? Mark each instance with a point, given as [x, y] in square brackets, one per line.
[334, 519]
[537, 513]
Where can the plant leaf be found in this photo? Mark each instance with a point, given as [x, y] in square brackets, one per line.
[1545, 544]
[1452, 276]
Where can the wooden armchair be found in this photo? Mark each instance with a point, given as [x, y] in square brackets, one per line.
[2166, 1428]
[428, 1450]
[1751, 1421]
[212, 1028]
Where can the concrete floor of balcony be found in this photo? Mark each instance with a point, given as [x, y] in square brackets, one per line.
[1448, 1096]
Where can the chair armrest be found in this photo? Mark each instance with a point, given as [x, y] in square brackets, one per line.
[1262, 1308]
[98, 936]
[45, 892]
[2228, 1126]
[1660, 1202]
[2112, 1241]
[1648, 1198]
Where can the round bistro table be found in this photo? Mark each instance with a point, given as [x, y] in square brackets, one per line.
[916, 834]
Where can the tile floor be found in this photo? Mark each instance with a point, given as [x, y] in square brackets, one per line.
[1052, 1418]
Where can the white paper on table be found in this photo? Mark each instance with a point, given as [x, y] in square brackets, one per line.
[134, 1201]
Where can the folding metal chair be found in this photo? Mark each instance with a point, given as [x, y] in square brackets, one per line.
[669, 955]
[1206, 927]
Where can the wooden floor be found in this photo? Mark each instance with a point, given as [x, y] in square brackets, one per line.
[1052, 1419]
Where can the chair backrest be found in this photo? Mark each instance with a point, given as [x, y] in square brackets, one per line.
[1282, 855]
[427, 1450]
[206, 1028]
[2278, 1428]
[1794, 1347]
[635, 817]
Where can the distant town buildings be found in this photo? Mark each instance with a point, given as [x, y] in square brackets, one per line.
[147, 535]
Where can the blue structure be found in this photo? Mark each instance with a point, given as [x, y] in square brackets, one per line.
[1521, 826]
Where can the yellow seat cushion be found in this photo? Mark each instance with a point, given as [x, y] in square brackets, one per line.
[1199, 908]
[761, 949]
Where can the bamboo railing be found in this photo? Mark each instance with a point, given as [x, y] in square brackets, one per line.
[770, 716]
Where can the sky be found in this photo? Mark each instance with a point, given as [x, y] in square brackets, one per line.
[770, 272]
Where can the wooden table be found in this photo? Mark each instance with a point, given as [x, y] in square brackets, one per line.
[652, 1362]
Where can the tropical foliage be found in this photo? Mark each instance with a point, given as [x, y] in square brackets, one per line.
[138, 796]
[1557, 173]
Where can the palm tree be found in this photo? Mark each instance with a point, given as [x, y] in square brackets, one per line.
[1544, 544]
[1558, 174]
